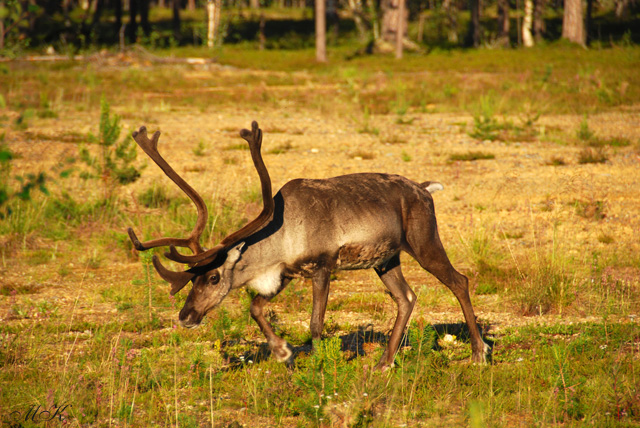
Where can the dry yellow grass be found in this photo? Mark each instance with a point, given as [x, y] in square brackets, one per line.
[515, 194]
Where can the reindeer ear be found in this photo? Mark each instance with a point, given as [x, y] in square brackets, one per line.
[233, 255]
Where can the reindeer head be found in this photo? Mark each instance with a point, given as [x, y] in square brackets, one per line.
[209, 288]
[211, 271]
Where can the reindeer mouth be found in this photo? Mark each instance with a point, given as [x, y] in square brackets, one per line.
[190, 324]
[191, 320]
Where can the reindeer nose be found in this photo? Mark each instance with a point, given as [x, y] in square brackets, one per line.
[189, 324]
[189, 321]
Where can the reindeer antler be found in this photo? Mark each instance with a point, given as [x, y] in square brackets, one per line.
[150, 147]
[254, 138]
[200, 257]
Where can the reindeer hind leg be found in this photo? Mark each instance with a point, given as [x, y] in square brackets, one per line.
[427, 249]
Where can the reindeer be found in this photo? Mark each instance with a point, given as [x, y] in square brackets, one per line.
[309, 229]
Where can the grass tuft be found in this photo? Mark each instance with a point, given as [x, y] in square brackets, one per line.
[592, 155]
[362, 155]
[591, 210]
[282, 148]
[556, 161]
[471, 156]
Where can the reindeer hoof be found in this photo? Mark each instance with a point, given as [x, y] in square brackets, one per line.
[281, 352]
[383, 365]
[482, 357]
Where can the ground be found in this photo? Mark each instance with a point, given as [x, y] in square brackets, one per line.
[531, 226]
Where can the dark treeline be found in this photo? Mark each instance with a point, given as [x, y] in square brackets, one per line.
[73, 24]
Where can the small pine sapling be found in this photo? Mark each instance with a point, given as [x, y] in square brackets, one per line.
[114, 163]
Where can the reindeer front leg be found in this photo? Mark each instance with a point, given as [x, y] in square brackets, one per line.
[405, 298]
[320, 296]
[279, 347]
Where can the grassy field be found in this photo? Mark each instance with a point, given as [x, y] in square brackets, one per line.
[539, 154]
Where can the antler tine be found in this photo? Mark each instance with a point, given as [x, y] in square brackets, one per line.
[160, 242]
[174, 255]
[177, 279]
[254, 138]
[150, 147]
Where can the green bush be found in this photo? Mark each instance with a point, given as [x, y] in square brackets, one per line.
[114, 163]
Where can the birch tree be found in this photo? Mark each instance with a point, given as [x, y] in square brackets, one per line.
[400, 28]
[393, 20]
[527, 24]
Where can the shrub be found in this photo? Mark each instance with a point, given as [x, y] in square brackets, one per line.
[114, 164]
[26, 183]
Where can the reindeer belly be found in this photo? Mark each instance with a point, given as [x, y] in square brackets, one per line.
[364, 256]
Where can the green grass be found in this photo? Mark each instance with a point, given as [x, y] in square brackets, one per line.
[557, 374]
[509, 76]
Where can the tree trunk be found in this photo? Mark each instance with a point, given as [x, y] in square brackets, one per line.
[117, 6]
[393, 20]
[573, 22]
[132, 29]
[371, 8]
[1, 26]
[175, 21]
[503, 23]
[622, 9]
[359, 18]
[211, 23]
[333, 20]
[451, 11]
[191, 4]
[474, 24]
[144, 17]
[254, 4]
[588, 21]
[538, 19]
[262, 38]
[97, 13]
[527, 23]
[65, 8]
[321, 32]
[400, 28]
[218, 14]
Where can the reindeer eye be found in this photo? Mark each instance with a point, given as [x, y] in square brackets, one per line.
[214, 278]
